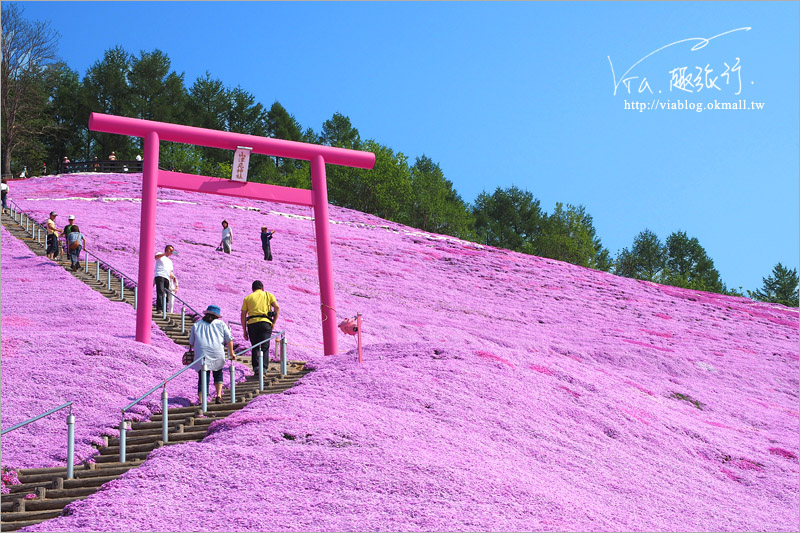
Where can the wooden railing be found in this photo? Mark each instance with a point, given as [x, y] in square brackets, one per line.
[101, 166]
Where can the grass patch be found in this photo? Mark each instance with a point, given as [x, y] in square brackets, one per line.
[687, 398]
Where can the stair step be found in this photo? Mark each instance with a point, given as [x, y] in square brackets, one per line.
[132, 448]
[111, 469]
[115, 458]
[51, 503]
[194, 410]
[14, 526]
[24, 487]
[87, 482]
[172, 423]
[60, 494]
[143, 437]
[185, 437]
[57, 470]
[10, 519]
[42, 478]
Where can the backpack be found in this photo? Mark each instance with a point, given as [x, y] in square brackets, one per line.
[74, 240]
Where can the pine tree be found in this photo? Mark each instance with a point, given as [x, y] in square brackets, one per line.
[781, 287]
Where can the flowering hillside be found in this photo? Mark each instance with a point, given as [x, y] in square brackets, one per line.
[64, 342]
[499, 391]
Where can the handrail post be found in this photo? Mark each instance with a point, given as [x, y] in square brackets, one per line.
[70, 444]
[135, 296]
[122, 439]
[121, 287]
[86, 268]
[233, 383]
[283, 355]
[358, 326]
[97, 277]
[109, 278]
[204, 386]
[164, 415]
[260, 369]
[164, 306]
[183, 319]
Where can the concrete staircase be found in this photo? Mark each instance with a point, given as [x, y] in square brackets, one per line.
[48, 491]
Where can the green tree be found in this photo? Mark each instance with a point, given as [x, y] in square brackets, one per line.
[208, 103]
[436, 206]
[344, 183]
[508, 218]
[282, 125]
[645, 260]
[107, 91]
[28, 48]
[688, 265]
[71, 117]
[244, 114]
[568, 234]
[156, 93]
[180, 157]
[386, 188]
[338, 131]
[208, 107]
[780, 287]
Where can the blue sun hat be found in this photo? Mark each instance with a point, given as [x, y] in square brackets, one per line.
[214, 310]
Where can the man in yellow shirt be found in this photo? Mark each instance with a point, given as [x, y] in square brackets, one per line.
[259, 313]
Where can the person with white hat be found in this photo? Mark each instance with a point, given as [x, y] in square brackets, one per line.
[68, 227]
[209, 338]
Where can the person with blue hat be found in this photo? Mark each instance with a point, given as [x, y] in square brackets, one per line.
[209, 338]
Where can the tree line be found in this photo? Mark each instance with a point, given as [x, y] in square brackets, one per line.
[46, 106]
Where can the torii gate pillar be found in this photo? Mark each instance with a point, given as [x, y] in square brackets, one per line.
[147, 237]
[319, 190]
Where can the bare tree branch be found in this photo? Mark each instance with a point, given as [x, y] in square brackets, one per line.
[28, 49]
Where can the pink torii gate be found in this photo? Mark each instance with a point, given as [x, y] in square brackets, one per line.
[317, 197]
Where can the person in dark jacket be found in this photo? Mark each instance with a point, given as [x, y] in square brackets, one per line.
[266, 236]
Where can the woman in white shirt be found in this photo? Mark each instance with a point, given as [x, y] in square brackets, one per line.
[227, 238]
[209, 338]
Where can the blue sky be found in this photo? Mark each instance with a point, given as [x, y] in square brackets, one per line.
[522, 94]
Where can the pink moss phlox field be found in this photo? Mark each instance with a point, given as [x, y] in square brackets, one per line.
[499, 391]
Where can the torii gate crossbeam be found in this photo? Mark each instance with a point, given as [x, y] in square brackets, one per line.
[152, 178]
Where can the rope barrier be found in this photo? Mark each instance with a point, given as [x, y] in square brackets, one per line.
[303, 345]
[324, 316]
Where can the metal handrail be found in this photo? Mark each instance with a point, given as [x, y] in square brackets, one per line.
[70, 434]
[162, 384]
[15, 210]
[203, 389]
